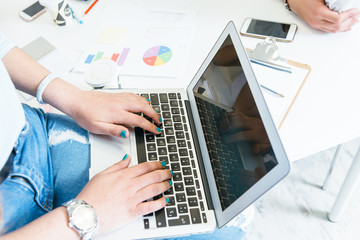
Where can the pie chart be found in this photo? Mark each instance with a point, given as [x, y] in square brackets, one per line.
[157, 56]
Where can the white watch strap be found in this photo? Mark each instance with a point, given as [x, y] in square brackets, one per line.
[43, 84]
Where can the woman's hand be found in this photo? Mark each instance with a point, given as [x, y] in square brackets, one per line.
[118, 194]
[320, 17]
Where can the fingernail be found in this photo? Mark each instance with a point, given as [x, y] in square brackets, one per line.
[158, 129]
[167, 200]
[125, 157]
[123, 134]
[160, 119]
[171, 172]
[156, 111]
[163, 164]
[148, 100]
[170, 182]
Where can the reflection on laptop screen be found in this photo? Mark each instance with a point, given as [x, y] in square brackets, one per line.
[239, 148]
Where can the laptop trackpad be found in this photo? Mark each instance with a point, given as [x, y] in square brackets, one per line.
[108, 150]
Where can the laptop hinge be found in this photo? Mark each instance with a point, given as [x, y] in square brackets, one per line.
[199, 156]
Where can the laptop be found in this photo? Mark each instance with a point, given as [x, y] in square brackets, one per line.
[217, 137]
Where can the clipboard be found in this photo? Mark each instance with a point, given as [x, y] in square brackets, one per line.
[286, 83]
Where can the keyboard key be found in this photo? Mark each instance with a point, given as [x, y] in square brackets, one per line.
[168, 123]
[179, 134]
[172, 148]
[189, 180]
[176, 118]
[182, 220]
[204, 217]
[160, 218]
[163, 98]
[166, 115]
[152, 156]
[154, 99]
[197, 185]
[189, 146]
[145, 95]
[174, 103]
[183, 152]
[164, 159]
[169, 192]
[169, 131]
[161, 141]
[180, 197]
[165, 107]
[186, 171]
[182, 111]
[175, 110]
[199, 195]
[185, 161]
[171, 212]
[190, 191]
[182, 208]
[195, 215]
[195, 174]
[172, 95]
[174, 157]
[162, 151]
[171, 201]
[141, 152]
[202, 206]
[178, 126]
[175, 166]
[179, 96]
[151, 147]
[157, 108]
[179, 187]
[193, 202]
[181, 143]
[149, 137]
[177, 177]
[146, 223]
[170, 139]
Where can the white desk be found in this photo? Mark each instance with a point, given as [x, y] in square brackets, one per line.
[326, 112]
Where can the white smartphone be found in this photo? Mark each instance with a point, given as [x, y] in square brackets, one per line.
[283, 32]
[32, 12]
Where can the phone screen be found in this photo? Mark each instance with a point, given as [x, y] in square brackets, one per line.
[33, 9]
[279, 30]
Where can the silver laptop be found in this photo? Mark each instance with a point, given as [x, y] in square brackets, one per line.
[217, 137]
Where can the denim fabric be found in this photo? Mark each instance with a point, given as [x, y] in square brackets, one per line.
[50, 166]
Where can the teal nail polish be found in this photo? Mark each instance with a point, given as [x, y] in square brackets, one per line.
[163, 164]
[148, 100]
[167, 200]
[170, 182]
[171, 172]
[156, 111]
[158, 129]
[125, 157]
[160, 119]
[123, 134]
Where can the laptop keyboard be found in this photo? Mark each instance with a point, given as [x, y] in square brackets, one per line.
[175, 147]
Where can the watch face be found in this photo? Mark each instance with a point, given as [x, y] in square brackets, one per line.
[84, 217]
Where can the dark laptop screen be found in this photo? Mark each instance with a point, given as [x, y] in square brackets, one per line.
[239, 148]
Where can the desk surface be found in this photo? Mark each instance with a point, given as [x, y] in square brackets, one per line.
[325, 113]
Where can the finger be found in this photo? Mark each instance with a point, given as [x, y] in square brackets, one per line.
[151, 206]
[111, 129]
[124, 163]
[153, 190]
[156, 176]
[144, 168]
[138, 121]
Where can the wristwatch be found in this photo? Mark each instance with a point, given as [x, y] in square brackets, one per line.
[287, 5]
[82, 218]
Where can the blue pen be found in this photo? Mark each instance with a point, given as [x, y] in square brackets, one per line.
[75, 17]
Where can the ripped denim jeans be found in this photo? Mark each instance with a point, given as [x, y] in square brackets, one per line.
[50, 166]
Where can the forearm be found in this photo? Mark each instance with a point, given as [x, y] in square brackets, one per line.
[53, 225]
[27, 74]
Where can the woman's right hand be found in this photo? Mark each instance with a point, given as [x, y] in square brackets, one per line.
[119, 194]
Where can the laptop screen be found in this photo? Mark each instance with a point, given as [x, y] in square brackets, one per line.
[239, 148]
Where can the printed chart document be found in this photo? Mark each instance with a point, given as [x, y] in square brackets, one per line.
[287, 84]
[142, 41]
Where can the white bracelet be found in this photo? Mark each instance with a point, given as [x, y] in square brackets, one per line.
[43, 84]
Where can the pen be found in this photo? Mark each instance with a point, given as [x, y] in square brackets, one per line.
[270, 90]
[91, 6]
[75, 17]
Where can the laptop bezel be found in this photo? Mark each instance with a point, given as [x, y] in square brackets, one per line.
[273, 176]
